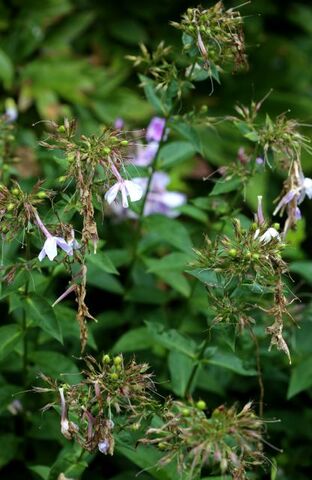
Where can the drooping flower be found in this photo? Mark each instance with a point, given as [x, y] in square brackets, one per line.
[127, 188]
[298, 194]
[260, 216]
[155, 129]
[49, 248]
[103, 446]
[159, 199]
[269, 235]
[11, 112]
[145, 154]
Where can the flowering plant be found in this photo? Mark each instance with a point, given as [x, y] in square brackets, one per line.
[148, 281]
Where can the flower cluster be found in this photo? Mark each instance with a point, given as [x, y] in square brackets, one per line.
[112, 396]
[228, 438]
[213, 37]
[251, 259]
[158, 198]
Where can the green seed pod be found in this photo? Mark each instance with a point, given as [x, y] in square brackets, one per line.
[233, 252]
[276, 226]
[106, 359]
[114, 376]
[62, 179]
[201, 405]
[255, 256]
[161, 446]
[10, 207]
[114, 139]
[185, 412]
[117, 360]
[41, 195]
[248, 255]
[124, 143]
[15, 191]
[61, 129]
[107, 150]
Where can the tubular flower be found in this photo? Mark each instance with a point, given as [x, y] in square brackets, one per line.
[269, 234]
[155, 129]
[49, 248]
[127, 188]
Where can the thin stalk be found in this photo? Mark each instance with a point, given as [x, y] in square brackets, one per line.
[196, 367]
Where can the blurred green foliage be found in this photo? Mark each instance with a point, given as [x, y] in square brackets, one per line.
[67, 58]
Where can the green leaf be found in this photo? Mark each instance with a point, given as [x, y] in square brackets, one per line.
[152, 97]
[206, 276]
[134, 340]
[69, 462]
[229, 361]
[226, 186]
[303, 268]
[253, 136]
[163, 229]
[9, 446]
[55, 364]
[41, 470]
[6, 69]
[40, 312]
[102, 262]
[301, 378]
[173, 262]
[172, 339]
[174, 153]
[10, 335]
[180, 368]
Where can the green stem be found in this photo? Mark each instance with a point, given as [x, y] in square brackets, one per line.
[144, 200]
[196, 367]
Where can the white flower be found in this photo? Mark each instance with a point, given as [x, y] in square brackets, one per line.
[103, 446]
[307, 187]
[50, 247]
[128, 188]
[269, 234]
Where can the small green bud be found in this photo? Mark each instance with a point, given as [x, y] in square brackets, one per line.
[185, 412]
[10, 207]
[255, 256]
[106, 359]
[124, 143]
[5, 167]
[62, 179]
[254, 226]
[248, 254]
[114, 376]
[233, 252]
[161, 446]
[70, 157]
[15, 191]
[107, 150]
[61, 129]
[201, 405]
[41, 194]
[11, 138]
[118, 360]
[276, 226]
[204, 109]
[191, 28]
[114, 139]
[135, 426]
[21, 289]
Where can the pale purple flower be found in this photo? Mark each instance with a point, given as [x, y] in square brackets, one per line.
[49, 248]
[159, 199]
[103, 446]
[155, 129]
[127, 188]
[64, 420]
[119, 123]
[269, 235]
[299, 193]
[259, 161]
[298, 215]
[145, 154]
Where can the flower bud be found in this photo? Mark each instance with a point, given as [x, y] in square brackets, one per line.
[201, 405]
[41, 195]
[61, 129]
[233, 252]
[106, 151]
[118, 360]
[185, 412]
[114, 376]
[255, 256]
[124, 143]
[276, 226]
[10, 207]
[15, 191]
[103, 446]
[106, 359]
